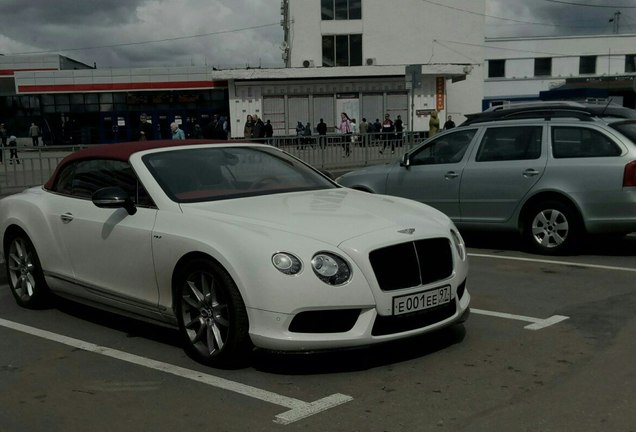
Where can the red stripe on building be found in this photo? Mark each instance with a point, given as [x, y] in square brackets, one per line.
[6, 72]
[166, 85]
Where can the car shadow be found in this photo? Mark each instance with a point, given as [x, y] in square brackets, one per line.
[131, 327]
[601, 245]
[304, 363]
[358, 359]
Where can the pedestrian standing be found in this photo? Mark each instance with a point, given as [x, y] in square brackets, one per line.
[34, 133]
[321, 128]
[387, 133]
[449, 123]
[364, 129]
[399, 128]
[13, 149]
[177, 134]
[3, 139]
[269, 132]
[248, 129]
[345, 130]
[433, 124]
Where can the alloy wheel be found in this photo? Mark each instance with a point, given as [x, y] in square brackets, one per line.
[205, 314]
[22, 269]
[550, 228]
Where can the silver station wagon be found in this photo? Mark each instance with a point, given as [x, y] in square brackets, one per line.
[552, 172]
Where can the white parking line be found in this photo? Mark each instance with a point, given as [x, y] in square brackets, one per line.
[297, 409]
[537, 323]
[566, 263]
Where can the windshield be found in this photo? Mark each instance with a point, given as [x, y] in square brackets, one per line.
[627, 128]
[214, 173]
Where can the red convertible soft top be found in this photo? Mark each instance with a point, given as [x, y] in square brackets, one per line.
[121, 151]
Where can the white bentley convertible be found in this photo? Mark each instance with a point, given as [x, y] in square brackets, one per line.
[237, 245]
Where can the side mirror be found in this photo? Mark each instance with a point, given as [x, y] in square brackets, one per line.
[114, 197]
[406, 161]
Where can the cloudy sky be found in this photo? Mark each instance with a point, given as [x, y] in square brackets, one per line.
[237, 33]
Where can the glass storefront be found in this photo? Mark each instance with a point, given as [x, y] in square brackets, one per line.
[91, 118]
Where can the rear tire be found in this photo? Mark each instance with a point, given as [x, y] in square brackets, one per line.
[211, 314]
[24, 272]
[552, 228]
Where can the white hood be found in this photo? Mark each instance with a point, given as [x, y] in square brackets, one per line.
[333, 215]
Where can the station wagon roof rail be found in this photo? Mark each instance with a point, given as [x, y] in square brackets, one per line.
[548, 111]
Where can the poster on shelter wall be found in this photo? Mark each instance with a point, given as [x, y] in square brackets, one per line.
[348, 103]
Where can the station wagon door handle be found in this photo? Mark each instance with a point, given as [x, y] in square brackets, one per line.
[530, 172]
[451, 175]
[66, 217]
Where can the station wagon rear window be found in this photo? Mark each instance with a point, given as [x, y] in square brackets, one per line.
[578, 142]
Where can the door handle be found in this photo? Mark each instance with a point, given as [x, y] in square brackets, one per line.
[66, 217]
[530, 172]
[451, 175]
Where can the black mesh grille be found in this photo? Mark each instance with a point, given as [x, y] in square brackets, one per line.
[324, 321]
[385, 325]
[411, 264]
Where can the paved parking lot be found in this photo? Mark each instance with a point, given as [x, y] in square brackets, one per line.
[549, 347]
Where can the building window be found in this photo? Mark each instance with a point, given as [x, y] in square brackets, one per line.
[630, 63]
[543, 66]
[342, 50]
[341, 9]
[587, 65]
[496, 68]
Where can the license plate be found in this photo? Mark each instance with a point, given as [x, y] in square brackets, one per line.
[422, 300]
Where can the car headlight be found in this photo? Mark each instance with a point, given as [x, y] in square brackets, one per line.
[287, 263]
[330, 268]
[458, 242]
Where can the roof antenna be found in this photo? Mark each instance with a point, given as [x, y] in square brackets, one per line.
[609, 101]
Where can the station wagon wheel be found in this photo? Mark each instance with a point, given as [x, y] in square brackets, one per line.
[211, 314]
[24, 272]
[552, 228]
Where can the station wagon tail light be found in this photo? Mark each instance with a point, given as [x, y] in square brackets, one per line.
[458, 242]
[330, 268]
[287, 263]
[629, 178]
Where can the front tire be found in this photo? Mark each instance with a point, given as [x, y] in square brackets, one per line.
[211, 314]
[24, 272]
[552, 228]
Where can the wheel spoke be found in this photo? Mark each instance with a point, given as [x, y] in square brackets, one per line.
[562, 226]
[198, 336]
[554, 215]
[220, 312]
[198, 294]
[191, 302]
[217, 336]
[15, 258]
[30, 280]
[541, 219]
[18, 248]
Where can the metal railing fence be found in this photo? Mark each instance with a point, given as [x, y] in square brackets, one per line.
[327, 152]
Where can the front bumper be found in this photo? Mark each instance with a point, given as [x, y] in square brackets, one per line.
[271, 330]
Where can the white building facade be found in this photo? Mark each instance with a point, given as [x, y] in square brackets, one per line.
[595, 66]
[368, 58]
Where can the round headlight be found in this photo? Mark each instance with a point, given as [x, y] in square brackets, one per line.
[330, 268]
[458, 241]
[286, 263]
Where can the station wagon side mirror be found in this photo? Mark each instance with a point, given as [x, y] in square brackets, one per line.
[114, 197]
[406, 161]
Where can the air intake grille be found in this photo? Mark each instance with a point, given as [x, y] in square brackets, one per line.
[412, 264]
